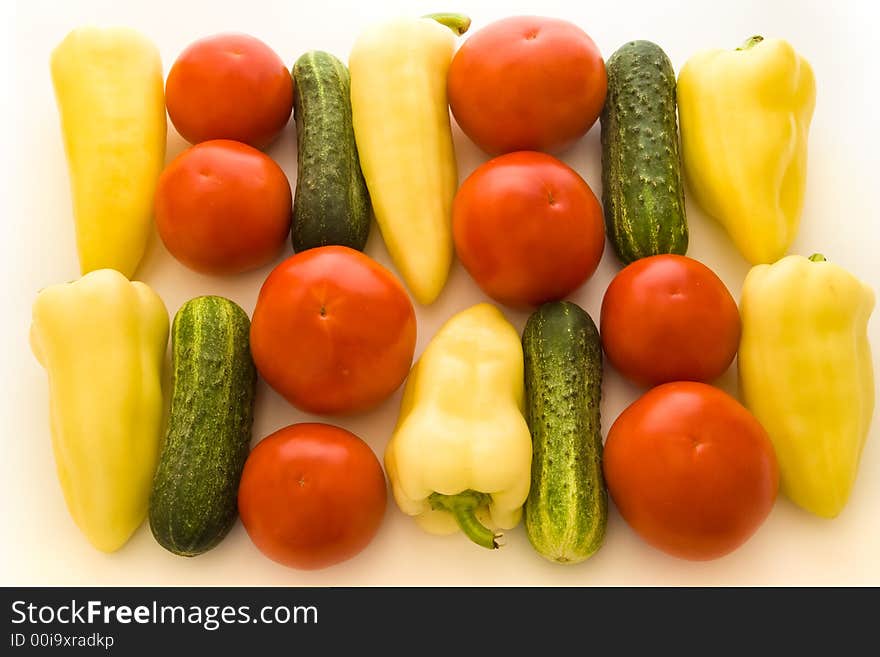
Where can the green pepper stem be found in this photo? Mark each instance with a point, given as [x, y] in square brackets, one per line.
[458, 23]
[463, 508]
[817, 257]
[751, 42]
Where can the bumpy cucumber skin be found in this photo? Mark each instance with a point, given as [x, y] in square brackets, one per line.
[642, 190]
[567, 509]
[331, 204]
[195, 490]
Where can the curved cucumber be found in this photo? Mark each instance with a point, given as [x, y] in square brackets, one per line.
[642, 191]
[194, 499]
[567, 508]
[331, 204]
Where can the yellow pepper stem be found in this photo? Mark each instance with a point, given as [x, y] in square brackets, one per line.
[751, 41]
[458, 23]
[817, 257]
[463, 507]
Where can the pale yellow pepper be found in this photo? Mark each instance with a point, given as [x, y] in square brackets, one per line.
[744, 118]
[102, 342]
[806, 373]
[110, 94]
[461, 453]
[401, 125]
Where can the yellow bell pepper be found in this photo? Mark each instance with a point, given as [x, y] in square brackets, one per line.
[404, 139]
[102, 342]
[461, 453]
[806, 373]
[744, 117]
[109, 90]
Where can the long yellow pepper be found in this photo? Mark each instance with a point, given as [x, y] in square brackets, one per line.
[404, 139]
[806, 373]
[109, 89]
[745, 118]
[102, 342]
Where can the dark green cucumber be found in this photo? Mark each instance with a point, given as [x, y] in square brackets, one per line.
[193, 504]
[642, 191]
[331, 204]
[567, 508]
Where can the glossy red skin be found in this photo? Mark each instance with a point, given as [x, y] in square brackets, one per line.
[527, 83]
[669, 318]
[229, 86]
[333, 331]
[527, 228]
[691, 470]
[311, 495]
[223, 207]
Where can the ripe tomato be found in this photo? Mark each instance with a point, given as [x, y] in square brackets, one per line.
[229, 86]
[223, 207]
[333, 331]
[311, 495]
[527, 83]
[691, 470]
[669, 318]
[527, 228]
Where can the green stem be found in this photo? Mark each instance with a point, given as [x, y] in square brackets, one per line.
[817, 257]
[458, 23]
[751, 42]
[463, 507]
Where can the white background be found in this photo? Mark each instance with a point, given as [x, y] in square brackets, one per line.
[39, 543]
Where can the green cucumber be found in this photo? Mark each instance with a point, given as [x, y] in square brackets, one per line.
[567, 508]
[331, 204]
[193, 504]
[642, 191]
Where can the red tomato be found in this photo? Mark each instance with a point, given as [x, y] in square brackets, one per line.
[333, 331]
[229, 86]
[691, 470]
[311, 495]
[527, 228]
[223, 207]
[669, 318]
[527, 83]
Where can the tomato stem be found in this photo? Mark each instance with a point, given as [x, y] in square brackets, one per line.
[463, 507]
